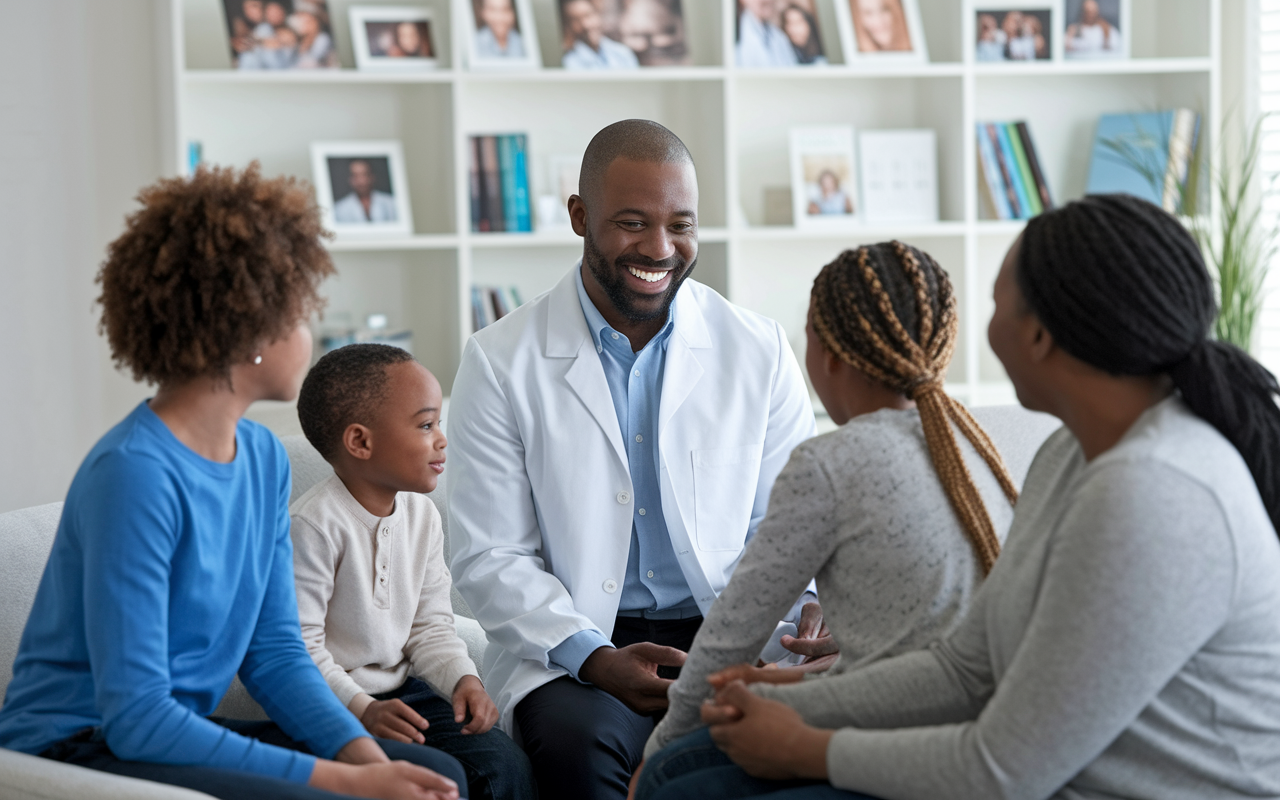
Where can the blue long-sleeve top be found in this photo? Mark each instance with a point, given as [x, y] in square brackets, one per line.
[169, 574]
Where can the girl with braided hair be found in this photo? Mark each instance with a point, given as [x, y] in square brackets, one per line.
[897, 517]
[1127, 643]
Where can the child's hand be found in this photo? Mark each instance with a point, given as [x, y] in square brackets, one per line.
[469, 696]
[393, 719]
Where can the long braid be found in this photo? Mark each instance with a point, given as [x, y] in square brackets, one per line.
[889, 311]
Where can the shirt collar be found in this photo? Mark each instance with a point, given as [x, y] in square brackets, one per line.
[597, 324]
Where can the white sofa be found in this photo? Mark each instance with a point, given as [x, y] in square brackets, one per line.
[26, 536]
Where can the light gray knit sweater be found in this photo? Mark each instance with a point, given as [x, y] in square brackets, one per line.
[1126, 645]
[860, 509]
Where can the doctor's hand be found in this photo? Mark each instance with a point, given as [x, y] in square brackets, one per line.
[631, 674]
[815, 641]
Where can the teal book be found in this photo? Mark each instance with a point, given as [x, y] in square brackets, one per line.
[1128, 150]
[507, 168]
[1014, 173]
[524, 220]
[1024, 169]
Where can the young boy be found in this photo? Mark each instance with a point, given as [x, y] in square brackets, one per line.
[373, 588]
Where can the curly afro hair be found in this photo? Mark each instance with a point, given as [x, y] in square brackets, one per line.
[208, 270]
[345, 386]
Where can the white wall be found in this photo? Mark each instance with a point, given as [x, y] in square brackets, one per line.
[80, 133]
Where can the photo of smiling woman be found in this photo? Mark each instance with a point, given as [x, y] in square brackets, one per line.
[881, 29]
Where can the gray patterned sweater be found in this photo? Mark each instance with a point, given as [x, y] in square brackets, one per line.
[862, 511]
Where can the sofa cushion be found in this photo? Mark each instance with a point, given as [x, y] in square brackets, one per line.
[26, 537]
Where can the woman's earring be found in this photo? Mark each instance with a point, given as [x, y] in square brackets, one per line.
[257, 359]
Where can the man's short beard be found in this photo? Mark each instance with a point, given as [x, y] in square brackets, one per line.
[615, 286]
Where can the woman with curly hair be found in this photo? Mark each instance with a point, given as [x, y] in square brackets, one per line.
[172, 568]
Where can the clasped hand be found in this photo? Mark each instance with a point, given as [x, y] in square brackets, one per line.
[766, 738]
[394, 719]
[814, 641]
[631, 674]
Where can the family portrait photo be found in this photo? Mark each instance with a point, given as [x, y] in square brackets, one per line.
[585, 42]
[280, 34]
[360, 187]
[1023, 33]
[823, 176]
[881, 29]
[502, 35]
[392, 38]
[1096, 29]
[778, 33]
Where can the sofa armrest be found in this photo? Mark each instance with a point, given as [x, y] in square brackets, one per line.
[470, 632]
[25, 777]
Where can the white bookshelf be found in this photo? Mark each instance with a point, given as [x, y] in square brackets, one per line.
[735, 123]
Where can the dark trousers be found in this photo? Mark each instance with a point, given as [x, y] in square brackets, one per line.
[496, 768]
[89, 749]
[583, 742]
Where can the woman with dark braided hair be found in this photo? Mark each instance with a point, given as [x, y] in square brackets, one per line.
[1127, 643]
[898, 523]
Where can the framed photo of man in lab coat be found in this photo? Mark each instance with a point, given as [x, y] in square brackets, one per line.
[361, 188]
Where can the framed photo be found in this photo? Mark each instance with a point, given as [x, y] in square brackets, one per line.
[881, 29]
[562, 182]
[824, 177]
[599, 34]
[1095, 29]
[361, 188]
[773, 34]
[501, 35]
[392, 38]
[280, 34]
[899, 171]
[1014, 31]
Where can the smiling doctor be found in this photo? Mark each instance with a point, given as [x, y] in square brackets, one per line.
[613, 445]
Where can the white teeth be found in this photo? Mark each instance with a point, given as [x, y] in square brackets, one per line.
[651, 277]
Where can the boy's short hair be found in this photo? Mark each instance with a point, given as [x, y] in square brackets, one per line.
[345, 387]
[210, 269]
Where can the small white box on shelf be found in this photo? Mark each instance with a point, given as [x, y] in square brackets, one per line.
[824, 177]
[899, 171]
[361, 188]
[392, 38]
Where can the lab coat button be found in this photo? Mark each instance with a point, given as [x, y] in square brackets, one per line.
[611, 586]
[624, 497]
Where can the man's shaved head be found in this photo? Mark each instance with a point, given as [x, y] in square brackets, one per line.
[632, 139]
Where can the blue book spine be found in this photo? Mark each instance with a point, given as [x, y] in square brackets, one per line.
[1015, 176]
[524, 219]
[477, 309]
[991, 170]
[507, 167]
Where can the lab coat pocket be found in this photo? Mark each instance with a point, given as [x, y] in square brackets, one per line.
[724, 491]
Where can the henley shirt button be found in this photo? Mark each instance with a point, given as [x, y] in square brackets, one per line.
[650, 573]
[624, 498]
[642, 512]
[611, 586]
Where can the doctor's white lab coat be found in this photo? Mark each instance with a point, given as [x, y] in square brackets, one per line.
[540, 493]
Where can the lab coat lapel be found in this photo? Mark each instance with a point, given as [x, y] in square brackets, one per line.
[568, 337]
[682, 369]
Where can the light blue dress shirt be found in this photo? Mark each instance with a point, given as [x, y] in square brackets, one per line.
[763, 44]
[653, 581]
[611, 55]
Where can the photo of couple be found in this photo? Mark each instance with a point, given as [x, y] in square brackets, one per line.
[280, 34]
[622, 34]
[778, 33]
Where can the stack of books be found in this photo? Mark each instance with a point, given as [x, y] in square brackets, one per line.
[1011, 178]
[491, 303]
[500, 184]
[1147, 155]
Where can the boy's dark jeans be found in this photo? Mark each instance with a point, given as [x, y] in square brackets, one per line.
[496, 768]
[89, 749]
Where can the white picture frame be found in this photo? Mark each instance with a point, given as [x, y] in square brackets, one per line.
[904, 34]
[824, 177]
[997, 48]
[898, 172]
[1118, 14]
[370, 22]
[334, 169]
[482, 42]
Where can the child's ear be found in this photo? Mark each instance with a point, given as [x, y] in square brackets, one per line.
[358, 441]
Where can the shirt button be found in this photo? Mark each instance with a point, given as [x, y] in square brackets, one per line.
[383, 579]
[650, 573]
[611, 586]
[624, 497]
[615, 336]
[385, 531]
[639, 438]
[599, 348]
[637, 373]
[642, 512]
